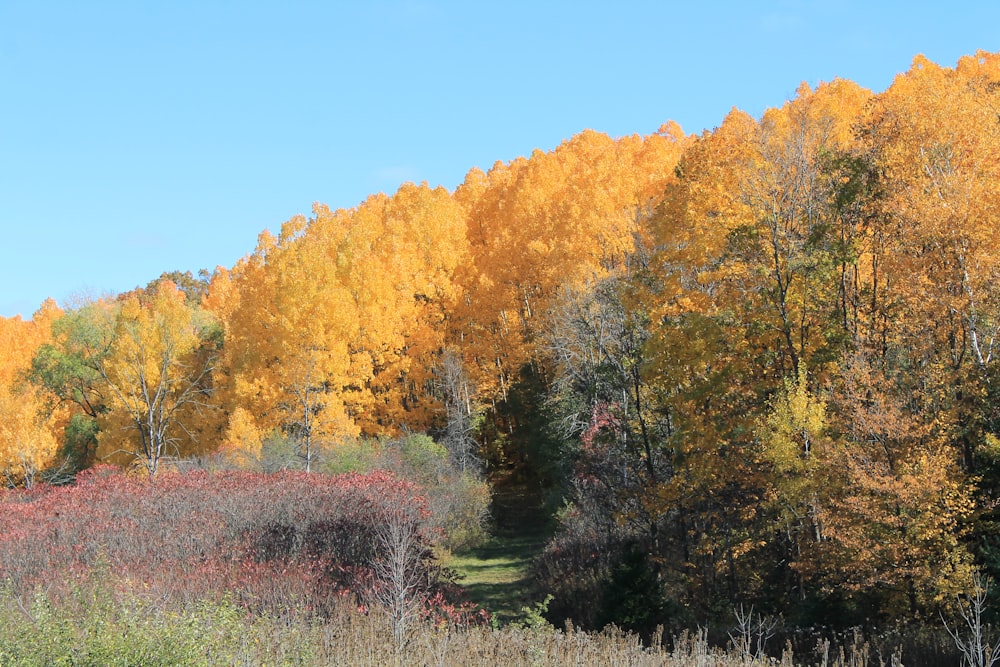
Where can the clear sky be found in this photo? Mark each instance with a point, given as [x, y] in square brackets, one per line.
[143, 136]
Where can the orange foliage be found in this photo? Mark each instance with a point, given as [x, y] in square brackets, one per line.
[333, 327]
[29, 424]
[554, 220]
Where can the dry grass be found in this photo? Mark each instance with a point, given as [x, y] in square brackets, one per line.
[100, 624]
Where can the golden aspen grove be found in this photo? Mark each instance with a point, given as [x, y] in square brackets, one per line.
[756, 368]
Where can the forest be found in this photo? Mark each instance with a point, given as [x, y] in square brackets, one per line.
[749, 375]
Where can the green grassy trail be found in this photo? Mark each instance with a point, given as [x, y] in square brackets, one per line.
[497, 575]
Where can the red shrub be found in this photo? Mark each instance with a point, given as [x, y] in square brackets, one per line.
[284, 542]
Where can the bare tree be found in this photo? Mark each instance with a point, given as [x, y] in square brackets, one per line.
[751, 634]
[596, 342]
[402, 579]
[977, 650]
[456, 391]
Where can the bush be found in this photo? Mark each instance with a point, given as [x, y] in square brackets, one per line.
[577, 566]
[286, 543]
[110, 625]
[459, 501]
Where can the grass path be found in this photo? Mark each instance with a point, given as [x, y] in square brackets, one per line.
[497, 575]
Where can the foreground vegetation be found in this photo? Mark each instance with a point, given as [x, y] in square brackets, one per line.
[100, 627]
[108, 624]
[238, 568]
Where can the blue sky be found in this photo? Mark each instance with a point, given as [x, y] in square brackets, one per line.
[142, 137]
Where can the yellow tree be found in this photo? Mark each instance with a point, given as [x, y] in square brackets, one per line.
[287, 325]
[405, 250]
[912, 400]
[701, 362]
[746, 255]
[788, 254]
[767, 256]
[29, 420]
[896, 530]
[935, 138]
[804, 466]
[333, 327]
[555, 220]
[155, 362]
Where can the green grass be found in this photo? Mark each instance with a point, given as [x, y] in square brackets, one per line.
[497, 575]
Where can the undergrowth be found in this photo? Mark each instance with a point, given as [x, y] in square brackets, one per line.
[102, 623]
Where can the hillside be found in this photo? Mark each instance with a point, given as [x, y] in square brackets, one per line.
[753, 367]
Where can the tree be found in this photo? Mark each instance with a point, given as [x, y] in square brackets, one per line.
[772, 258]
[536, 226]
[334, 327]
[288, 322]
[804, 470]
[597, 346]
[896, 529]
[935, 139]
[154, 356]
[27, 442]
[556, 219]
[64, 366]
[29, 417]
[400, 569]
[972, 641]
[460, 412]
[787, 251]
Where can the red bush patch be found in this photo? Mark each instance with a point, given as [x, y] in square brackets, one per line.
[287, 542]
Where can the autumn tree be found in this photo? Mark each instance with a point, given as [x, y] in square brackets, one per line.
[334, 327]
[138, 368]
[61, 367]
[895, 532]
[934, 137]
[30, 419]
[283, 344]
[768, 247]
[156, 367]
[911, 401]
[785, 274]
[536, 226]
[596, 344]
[406, 251]
[702, 365]
[805, 467]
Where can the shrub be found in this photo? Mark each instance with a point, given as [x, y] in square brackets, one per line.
[458, 501]
[288, 543]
